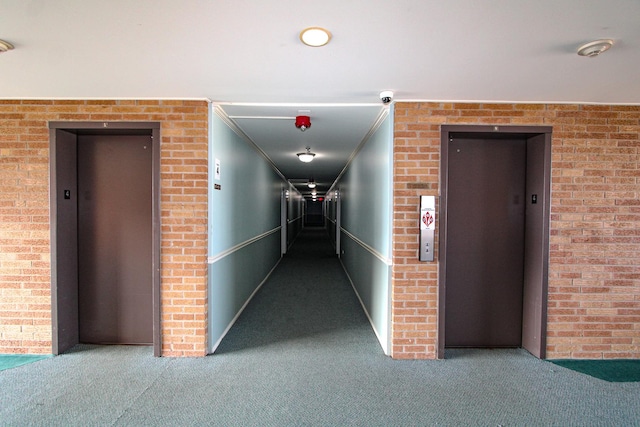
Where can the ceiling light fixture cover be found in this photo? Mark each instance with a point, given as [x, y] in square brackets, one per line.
[315, 36]
[306, 157]
[5, 46]
[311, 183]
[595, 48]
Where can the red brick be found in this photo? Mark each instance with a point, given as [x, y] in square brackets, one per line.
[592, 227]
[24, 130]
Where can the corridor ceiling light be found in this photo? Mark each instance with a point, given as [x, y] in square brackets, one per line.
[315, 36]
[306, 157]
[595, 48]
[311, 183]
[5, 46]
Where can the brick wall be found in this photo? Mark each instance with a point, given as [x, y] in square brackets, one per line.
[594, 261]
[25, 282]
[594, 274]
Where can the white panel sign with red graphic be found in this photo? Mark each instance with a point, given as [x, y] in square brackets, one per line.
[427, 227]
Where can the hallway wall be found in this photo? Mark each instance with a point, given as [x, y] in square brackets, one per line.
[594, 271]
[594, 260]
[295, 218]
[365, 233]
[244, 224]
[25, 262]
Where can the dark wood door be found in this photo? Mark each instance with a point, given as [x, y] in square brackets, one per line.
[485, 242]
[115, 239]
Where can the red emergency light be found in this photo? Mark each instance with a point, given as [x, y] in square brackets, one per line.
[303, 122]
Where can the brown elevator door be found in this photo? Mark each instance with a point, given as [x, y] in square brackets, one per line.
[115, 239]
[485, 242]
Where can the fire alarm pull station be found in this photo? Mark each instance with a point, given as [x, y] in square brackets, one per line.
[427, 227]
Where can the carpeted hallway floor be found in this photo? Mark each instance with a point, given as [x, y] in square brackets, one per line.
[303, 354]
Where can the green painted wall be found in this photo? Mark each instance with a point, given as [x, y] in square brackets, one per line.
[244, 224]
[365, 191]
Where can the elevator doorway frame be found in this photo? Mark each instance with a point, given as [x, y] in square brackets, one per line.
[61, 339]
[534, 338]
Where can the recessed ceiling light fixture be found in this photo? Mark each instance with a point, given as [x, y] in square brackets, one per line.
[306, 157]
[595, 48]
[315, 36]
[5, 46]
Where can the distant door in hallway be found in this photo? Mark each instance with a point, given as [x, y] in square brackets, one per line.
[314, 215]
[485, 242]
[115, 239]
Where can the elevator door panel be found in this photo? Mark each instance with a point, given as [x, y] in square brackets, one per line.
[485, 243]
[115, 239]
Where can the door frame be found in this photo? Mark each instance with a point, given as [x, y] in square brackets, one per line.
[284, 219]
[535, 338]
[338, 225]
[62, 338]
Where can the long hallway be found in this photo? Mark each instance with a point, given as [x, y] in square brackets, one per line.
[307, 306]
[303, 354]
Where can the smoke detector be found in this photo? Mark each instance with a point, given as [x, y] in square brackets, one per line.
[595, 48]
[5, 46]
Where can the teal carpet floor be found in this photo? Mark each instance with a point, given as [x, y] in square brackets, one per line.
[304, 354]
[608, 370]
[8, 361]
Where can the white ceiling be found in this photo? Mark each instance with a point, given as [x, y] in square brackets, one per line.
[335, 132]
[246, 55]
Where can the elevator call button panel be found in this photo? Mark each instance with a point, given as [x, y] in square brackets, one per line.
[427, 227]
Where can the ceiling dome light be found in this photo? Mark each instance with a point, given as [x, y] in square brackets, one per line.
[306, 157]
[315, 36]
[311, 183]
[5, 46]
[595, 48]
